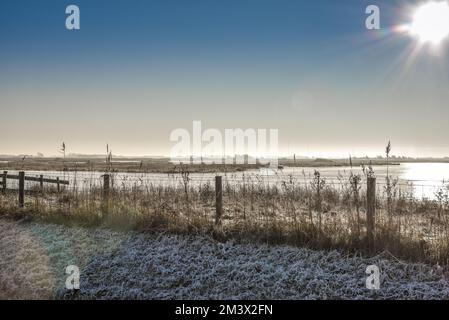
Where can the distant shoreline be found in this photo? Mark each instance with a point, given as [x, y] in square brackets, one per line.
[162, 165]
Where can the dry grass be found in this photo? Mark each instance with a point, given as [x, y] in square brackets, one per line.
[314, 215]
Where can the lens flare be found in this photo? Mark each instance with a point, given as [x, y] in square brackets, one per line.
[431, 22]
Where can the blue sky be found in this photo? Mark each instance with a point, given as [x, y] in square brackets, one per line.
[138, 69]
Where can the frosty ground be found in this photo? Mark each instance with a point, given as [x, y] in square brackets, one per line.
[130, 265]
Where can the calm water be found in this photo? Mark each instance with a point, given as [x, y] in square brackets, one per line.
[418, 179]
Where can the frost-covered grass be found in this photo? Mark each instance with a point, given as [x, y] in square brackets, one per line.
[284, 213]
[131, 265]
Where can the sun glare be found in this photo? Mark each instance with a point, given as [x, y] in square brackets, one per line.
[431, 22]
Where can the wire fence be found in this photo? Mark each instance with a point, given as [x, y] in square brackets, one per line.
[82, 181]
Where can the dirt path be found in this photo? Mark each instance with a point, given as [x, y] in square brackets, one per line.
[33, 258]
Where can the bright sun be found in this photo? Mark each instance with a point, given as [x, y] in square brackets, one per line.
[431, 22]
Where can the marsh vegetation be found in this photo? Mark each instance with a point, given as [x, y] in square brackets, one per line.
[314, 213]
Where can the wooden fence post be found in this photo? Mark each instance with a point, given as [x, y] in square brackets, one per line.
[21, 188]
[105, 200]
[106, 186]
[370, 211]
[5, 173]
[218, 199]
[41, 182]
[58, 184]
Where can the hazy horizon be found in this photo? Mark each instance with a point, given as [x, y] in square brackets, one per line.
[297, 156]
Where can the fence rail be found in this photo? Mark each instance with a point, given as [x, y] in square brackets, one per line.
[35, 179]
[22, 178]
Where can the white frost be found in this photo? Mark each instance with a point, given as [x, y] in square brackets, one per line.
[119, 265]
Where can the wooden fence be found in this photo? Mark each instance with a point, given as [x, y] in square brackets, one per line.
[370, 197]
[22, 178]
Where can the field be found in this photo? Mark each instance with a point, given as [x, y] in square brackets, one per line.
[162, 237]
[130, 265]
[163, 165]
[314, 214]
[136, 165]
